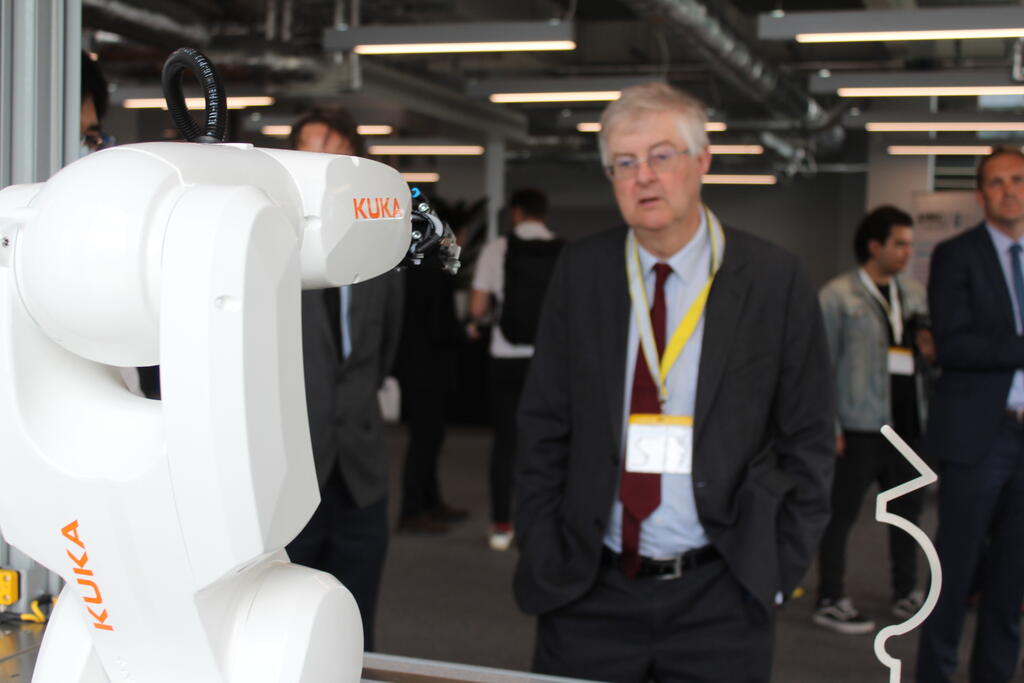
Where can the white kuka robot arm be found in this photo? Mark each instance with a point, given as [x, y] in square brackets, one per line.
[167, 519]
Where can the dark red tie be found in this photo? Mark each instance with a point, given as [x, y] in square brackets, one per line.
[640, 493]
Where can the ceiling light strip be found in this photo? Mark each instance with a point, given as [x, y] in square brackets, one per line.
[421, 177]
[278, 131]
[881, 36]
[439, 48]
[427, 150]
[575, 96]
[197, 102]
[595, 127]
[736, 149]
[931, 91]
[723, 179]
[375, 129]
[941, 126]
[969, 150]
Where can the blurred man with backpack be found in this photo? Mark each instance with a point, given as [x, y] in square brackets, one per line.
[511, 277]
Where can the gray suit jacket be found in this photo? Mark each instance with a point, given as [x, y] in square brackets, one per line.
[341, 397]
[764, 421]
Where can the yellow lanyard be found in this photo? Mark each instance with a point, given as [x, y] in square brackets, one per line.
[641, 309]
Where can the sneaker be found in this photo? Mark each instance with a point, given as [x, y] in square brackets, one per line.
[908, 605]
[840, 616]
[501, 536]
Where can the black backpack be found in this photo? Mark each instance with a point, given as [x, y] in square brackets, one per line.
[528, 268]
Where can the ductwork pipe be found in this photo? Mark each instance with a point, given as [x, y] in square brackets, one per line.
[119, 16]
[729, 56]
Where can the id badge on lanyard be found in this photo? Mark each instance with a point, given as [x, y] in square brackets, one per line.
[901, 361]
[659, 444]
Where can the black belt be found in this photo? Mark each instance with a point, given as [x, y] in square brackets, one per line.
[1015, 415]
[671, 568]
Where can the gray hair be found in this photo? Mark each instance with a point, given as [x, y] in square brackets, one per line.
[651, 98]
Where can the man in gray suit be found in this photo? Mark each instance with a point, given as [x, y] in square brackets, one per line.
[349, 339]
[676, 451]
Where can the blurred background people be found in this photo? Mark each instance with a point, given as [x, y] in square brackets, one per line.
[95, 100]
[349, 339]
[509, 284]
[425, 368]
[976, 430]
[872, 316]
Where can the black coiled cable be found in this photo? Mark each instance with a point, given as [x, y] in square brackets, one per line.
[213, 91]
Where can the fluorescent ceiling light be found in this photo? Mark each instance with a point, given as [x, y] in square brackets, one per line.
[925, 23]
[427, 150]
[882, 36]
[375, 129]
[197, 102]
[443, 38]
[285, 130]
[930, 83]
[276, 131]
[932, 91]
[575, 89]
[421, 177]
[971, 150]
[439, 48]
[582, 96]
[721, 179]
[595, 127]
[736, 149]
[941, 126]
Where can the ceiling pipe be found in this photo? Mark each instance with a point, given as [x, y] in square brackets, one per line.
[158, 28]
[730, 57]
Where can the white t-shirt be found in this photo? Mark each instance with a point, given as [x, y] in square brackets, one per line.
[489, 277]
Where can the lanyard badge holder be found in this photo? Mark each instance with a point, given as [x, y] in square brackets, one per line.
[659, 443]
[900, 358]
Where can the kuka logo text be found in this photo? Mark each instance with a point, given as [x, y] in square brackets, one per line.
[367, 208]
[91, 592]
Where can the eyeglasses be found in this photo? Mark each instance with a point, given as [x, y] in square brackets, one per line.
[661, 159]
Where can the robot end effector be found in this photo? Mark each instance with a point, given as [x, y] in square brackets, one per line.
[431, 234]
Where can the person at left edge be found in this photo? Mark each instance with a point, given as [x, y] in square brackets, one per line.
[662, 519]
[349, 338]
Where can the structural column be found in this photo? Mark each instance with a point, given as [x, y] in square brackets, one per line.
[494, 182]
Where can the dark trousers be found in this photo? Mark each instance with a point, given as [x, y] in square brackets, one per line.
[507, 376]
[700, 628]
[868, 458]
[348, 542]
[423, 405]
[980, 504]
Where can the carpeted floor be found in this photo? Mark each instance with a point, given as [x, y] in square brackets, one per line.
[449, 598]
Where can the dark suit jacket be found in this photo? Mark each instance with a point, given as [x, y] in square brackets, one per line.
[764, 439]
[977, 345]
[341, 397]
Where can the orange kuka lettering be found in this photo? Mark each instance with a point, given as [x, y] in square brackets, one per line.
[80, 561]
[96, 598]
[91, 594]
[359, 205]
[101, 619]
[71, 533]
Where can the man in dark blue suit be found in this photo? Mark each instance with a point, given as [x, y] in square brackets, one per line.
[976, 430]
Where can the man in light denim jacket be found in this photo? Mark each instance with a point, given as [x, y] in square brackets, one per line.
[879, 343]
